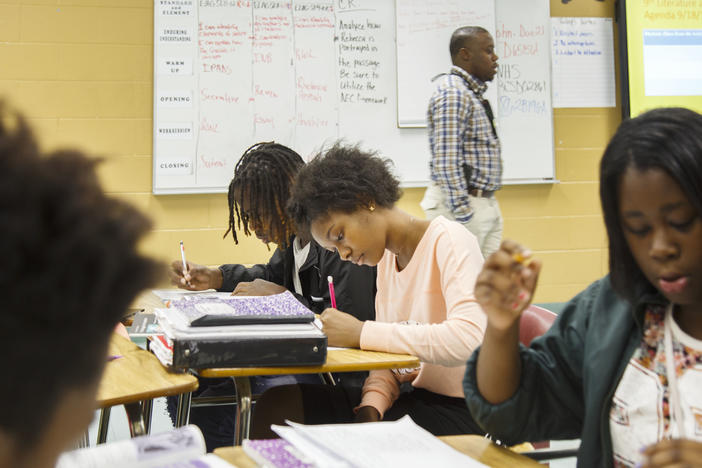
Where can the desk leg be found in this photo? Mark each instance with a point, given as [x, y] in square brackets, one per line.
[242, 424]
[148, 411]
[328, 378]
[139, 415]
[84, 441]
[103, 424]
[183, 411]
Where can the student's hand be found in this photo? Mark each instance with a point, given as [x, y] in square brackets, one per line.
[506, 284]
[258, 287]
[367, 414]
[197, 278]
[675, 452]
[342, 329]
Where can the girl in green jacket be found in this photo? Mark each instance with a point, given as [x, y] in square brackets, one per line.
[622, 367]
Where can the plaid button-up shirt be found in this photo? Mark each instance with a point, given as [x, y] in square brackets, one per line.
[460, 132]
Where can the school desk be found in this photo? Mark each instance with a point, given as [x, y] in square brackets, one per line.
[476, 447]
[133, 379]
[338, 360]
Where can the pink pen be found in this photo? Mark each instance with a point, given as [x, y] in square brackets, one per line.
[331, 291]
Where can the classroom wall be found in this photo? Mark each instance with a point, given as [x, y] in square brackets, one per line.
[82, 71]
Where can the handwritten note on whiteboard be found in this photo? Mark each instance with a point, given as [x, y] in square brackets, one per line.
[424, 29]
[229, 73]
[524, 89]
[582, 58]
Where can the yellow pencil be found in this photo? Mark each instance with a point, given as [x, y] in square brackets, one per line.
[518, 257]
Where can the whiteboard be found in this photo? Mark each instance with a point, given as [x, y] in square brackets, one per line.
[230, 73]
[424, 28]
[521, 89]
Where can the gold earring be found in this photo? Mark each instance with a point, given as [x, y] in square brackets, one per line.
[371, 207]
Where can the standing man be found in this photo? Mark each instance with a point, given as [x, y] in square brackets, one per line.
[466, 166]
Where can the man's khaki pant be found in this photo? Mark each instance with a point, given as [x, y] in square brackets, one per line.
[486, 223]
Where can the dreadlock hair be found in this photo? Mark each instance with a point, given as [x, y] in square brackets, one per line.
[343, 178]
[262, 181]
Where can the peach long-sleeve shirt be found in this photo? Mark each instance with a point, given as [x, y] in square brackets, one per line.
[428, 310]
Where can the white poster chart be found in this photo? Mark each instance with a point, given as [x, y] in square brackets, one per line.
[672, 61]
[582, 57]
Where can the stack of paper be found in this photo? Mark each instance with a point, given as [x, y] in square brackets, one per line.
[366, 445]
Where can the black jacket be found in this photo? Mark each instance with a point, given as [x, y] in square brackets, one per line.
[569, 375]
[354, 285]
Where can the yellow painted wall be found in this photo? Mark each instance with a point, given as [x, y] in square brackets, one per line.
[82, 72]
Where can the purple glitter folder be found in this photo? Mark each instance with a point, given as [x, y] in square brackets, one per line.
[242, 310]
[277, 453]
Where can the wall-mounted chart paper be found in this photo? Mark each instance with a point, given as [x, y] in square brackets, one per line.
[582, 54]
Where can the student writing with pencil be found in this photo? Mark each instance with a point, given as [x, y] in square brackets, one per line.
[424, 304]
[257, 197]
[621, 366]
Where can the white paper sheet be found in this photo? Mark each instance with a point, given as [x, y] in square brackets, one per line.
[374, 445]
[582, 62]
[172, 294]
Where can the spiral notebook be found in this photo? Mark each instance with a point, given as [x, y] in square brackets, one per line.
[275, 453]
[205, 311]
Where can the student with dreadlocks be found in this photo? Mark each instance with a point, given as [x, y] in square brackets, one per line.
[257, 197]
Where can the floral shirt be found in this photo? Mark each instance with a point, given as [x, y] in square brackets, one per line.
[640, 411]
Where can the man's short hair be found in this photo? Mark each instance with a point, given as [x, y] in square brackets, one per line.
[70, 267]
[462, 36]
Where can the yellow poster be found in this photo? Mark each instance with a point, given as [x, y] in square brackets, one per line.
[664, 42]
